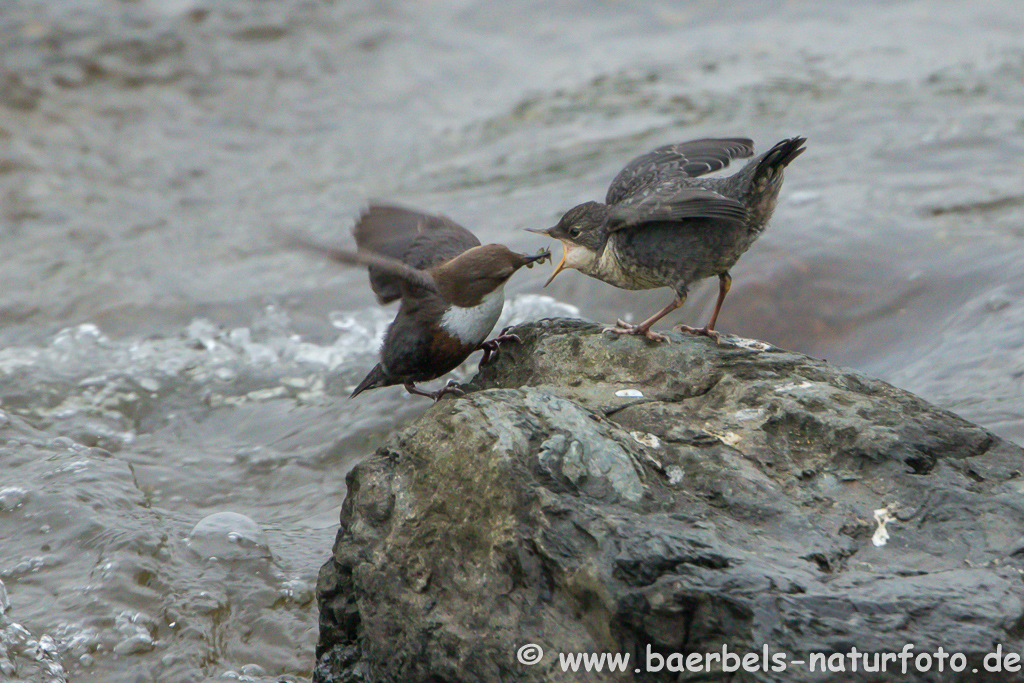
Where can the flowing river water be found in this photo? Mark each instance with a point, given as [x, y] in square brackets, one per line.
[174, 427]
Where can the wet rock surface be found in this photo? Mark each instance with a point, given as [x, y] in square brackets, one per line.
[593, 493]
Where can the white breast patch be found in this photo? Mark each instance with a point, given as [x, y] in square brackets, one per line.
[472, 325]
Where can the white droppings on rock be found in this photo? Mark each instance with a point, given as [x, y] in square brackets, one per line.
[752, 344]
[793, 387]
[882, 517]
[645, 439]
[675, 474]
[748, 414]
[728, 438]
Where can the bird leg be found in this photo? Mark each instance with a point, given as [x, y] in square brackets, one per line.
[724, 284]
[451, 388]
[490, 347]
[644, 328]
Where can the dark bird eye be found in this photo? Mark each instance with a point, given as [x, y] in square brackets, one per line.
[574, 232]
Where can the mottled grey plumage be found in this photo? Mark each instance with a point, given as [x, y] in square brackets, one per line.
[682, 160]
[661, 225]
[450, 287]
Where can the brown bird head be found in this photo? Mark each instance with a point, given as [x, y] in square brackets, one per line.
[583, 231]
[475, 273]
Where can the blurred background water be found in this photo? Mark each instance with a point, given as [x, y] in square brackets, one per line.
[174, 428]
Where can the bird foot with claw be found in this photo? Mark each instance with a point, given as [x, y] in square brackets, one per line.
[701, 331]
[491, 347]
[451, 388]
[623, 327]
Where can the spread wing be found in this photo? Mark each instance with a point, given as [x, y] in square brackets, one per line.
[387, 230]
[386, 266]
[671, 204]
[416, 240]
[682, 160]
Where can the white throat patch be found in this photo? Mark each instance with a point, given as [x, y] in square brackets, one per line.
[578, 257]
[472, 325]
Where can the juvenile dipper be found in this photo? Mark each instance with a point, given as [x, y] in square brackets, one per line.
[661, 226]
[451, 290]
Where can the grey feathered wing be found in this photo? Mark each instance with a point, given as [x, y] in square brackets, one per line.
[652, 188]
[685, 159]
[679, 204]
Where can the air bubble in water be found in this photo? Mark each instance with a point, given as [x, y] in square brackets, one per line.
[228, 536]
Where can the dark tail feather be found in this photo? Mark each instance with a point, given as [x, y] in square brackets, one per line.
[376, 378]
[779, 156]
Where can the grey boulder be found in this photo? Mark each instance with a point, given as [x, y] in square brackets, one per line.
[715, 512]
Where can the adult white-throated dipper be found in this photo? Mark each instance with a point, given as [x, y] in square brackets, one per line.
[451, 290]
[662, 226]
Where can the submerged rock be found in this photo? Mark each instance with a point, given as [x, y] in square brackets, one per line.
[596, 493]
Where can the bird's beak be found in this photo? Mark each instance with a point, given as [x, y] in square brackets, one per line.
[559, 267]
[561, 264]
[539, 257]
